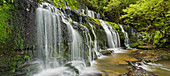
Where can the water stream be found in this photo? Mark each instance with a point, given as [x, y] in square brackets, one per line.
[126, 37]
[161, 68]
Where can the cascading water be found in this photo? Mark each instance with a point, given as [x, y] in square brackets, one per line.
[95, 42]
[89, 45]
[76, 42]
[91, 13]
[46, 37]
[48, 21]
[126, 37]
[112, 36]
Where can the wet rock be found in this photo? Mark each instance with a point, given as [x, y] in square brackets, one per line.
[137, 71]
[106, 52]
[92, 74]
[150, 55]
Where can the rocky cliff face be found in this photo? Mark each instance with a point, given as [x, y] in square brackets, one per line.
[86, 22]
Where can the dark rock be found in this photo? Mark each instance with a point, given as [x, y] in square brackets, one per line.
[92, 74]
[106, 52]
[137, 71]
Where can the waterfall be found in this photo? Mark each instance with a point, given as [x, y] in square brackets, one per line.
[91, 13]
[49, 21]
[95, 42]
[46, 37]
[89, 45]
[54, 27]
[113, 38]
[76, 42]
[126, 37]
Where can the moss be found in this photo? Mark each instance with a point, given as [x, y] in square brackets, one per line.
[5, 26]
[97, 21]
[115, 26]
[60, 3]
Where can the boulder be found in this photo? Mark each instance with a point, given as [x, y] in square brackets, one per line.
[106, 52]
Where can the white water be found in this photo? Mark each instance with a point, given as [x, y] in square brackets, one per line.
[160, 66]
[60, 71]
[126, 37]
[49, 21]
[88, 42]
[76, 42]
[46, 31]
[95, 42]
[91, 13]
[113, 39]
[154, 67]
[117, 50]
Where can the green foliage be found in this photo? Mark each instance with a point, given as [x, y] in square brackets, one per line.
[60, 3]
[13, 70]
[133, 45]
[97, 5]
[5, 28]
[115, 26]
[110, 8]
[143, 13]
[26, 57]
[140, 42]
[5, 1]
[151, 16]
[115, 7]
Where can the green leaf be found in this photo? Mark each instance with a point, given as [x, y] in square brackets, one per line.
[13, 70]
[14, 64]
[133, 45]
[140, 42]
[18, 63]
[26, 57]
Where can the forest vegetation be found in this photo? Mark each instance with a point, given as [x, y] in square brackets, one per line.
[149, 18]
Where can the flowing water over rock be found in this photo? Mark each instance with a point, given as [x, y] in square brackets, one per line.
[113, 39]
[62, 40]
[161, 68]
[126, 37]
[95, 42]
[49, 38]
[46, 37]
[91, 13]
